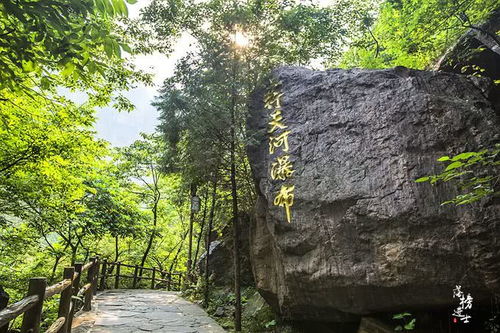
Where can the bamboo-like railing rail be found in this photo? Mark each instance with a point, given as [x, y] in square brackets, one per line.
[71, 292]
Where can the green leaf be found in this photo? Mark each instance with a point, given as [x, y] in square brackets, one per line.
[453, 166]
[39, 37]
[108, 47]
[45, 82]
[126, 48]
[272, 323]
[410, 325]
[91, 66]
[28, 66]
[68, 69]
[422, 179]
[109, 7]
[443, 158]
[120, 7]
[132, 2]
[464, 156]
[401, 315]
[100, 6]
[116, 49]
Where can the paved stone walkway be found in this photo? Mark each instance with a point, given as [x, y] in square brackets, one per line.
[133, 311]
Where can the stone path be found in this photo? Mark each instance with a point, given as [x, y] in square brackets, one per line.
[131, 311]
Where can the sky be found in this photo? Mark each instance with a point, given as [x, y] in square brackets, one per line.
[123, 128]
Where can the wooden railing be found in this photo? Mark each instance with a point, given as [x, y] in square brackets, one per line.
[173, 281]
[73, 291]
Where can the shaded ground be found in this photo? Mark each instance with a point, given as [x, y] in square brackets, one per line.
[130, 311]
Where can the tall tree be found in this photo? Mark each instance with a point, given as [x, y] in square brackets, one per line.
[140, 161]
[203, 106]
[412, 33]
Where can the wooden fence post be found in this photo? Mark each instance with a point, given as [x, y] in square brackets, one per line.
[32, 317]
[169, 281]
[117, 277]
[65, 300]
[153, 278]
[136, 270]
[87, 305]
[104, 271]
[76, 288]
[4, 300]
[87, 299]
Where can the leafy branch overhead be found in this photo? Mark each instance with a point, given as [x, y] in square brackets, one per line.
[476, 173]
[413, 34]
[74, 44]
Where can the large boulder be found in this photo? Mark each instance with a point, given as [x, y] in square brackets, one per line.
[365, 237]
[221, 263]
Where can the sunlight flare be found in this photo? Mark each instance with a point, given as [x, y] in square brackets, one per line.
[240, 39]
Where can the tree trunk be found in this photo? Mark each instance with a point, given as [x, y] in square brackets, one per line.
[152, 236]
[74, 249]
[190, 249]
[117, 253]
[208, 242]
[174, 261]
[111, 268]
[87, 254]
[202, 227]
[54, 268]
[234, 195]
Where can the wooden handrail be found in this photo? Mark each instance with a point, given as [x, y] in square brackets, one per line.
[56, 326]
[144, 268]
[84, 289]
[87, 266]
[57, 288]
[16, 309]
[31, 306]
[173, 279]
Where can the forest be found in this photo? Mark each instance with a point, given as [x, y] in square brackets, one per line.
[67, 195]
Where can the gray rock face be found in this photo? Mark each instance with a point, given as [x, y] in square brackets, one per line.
[221, 269]
[364, 237]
